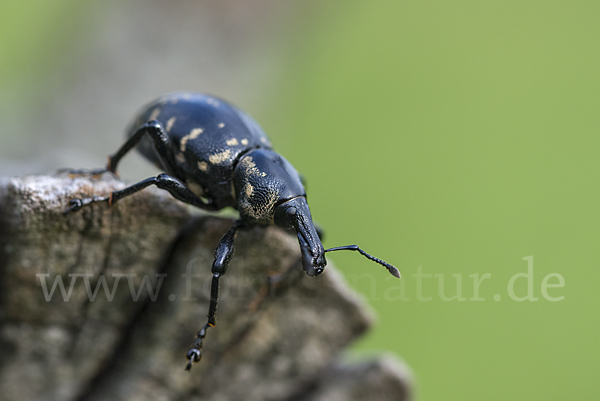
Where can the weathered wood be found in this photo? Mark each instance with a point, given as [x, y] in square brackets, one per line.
[282, 345]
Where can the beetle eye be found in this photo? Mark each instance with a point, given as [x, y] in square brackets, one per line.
[286, 216]
[289, 216]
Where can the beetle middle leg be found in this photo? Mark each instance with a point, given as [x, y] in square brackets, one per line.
[162, 181]
[223, 255]
[162, 144]
[273, 283]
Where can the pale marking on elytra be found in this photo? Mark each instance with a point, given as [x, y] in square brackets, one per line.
[195, 188]
[232, 142]
[154, 114]
[212, 102]
[219, 158]
[221, 125]
[170, 123]
[244, 141]
[180, 157]
[202, 166]
[191, 136]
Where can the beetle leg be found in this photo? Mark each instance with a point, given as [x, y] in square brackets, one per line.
[274, 280]
[223, 255]
[77, 204]
[74, 173]
[162, 144]
[162, 181]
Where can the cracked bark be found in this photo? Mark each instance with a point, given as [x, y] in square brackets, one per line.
[105, 346]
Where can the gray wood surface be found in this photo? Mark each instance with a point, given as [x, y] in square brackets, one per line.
[284, 345]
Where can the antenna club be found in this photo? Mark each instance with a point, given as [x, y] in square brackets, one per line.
[392, 269]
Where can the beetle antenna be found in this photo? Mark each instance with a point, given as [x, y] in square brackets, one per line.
[390, 268]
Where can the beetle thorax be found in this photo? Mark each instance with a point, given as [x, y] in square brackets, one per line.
[262, 180]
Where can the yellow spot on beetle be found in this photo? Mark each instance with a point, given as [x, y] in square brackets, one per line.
[263, 211]
[155, 113]
[250, 167]
[170, 123]
[212, 102]
[180, 157]
[249, 189]
[195, 188]
[202, 166]
[195, 133]
[191, 136]
[244, 141]
[221, 125]
[232, 142]
[220, 157]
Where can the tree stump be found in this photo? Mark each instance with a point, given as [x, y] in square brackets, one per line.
[103, 304]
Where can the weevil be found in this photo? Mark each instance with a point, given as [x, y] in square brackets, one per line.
[216, 156]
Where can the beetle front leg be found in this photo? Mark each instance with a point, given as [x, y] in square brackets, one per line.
[223, 255]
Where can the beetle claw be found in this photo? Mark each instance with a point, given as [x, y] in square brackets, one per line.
[75, 205]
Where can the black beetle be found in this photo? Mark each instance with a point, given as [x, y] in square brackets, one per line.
[215, 156]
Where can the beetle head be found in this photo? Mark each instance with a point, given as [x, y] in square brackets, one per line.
[295, 214]
[269, 191]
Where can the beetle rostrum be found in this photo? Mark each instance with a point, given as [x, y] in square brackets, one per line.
[214, 156]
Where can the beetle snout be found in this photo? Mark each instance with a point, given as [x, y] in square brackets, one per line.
[313, 265]
[295, 214]
[313, 253]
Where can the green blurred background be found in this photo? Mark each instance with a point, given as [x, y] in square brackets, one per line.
[456, 137]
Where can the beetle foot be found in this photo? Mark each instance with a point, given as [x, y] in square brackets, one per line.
[194, 354]
[76, 204]
[274, 282]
